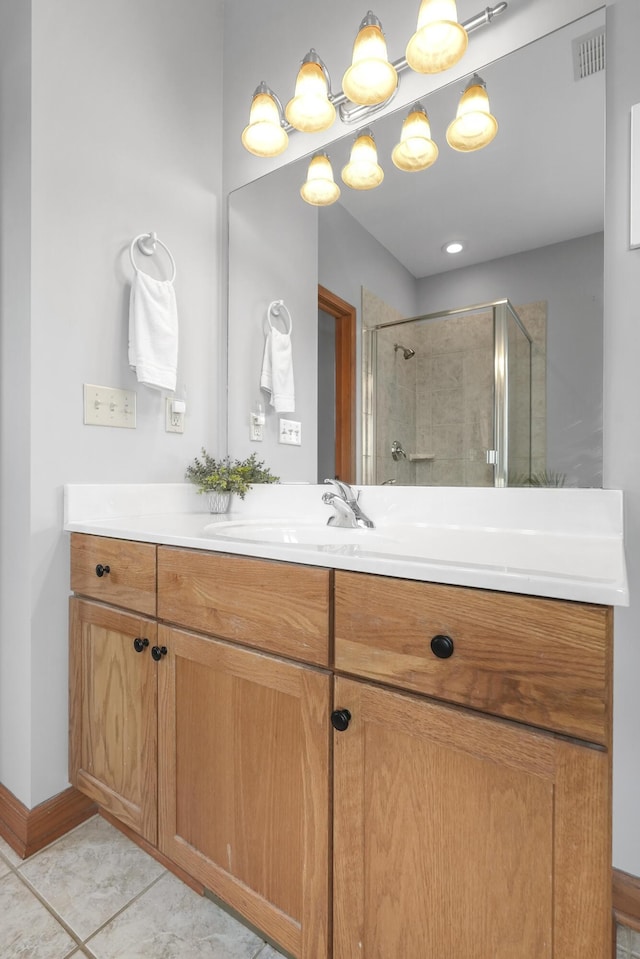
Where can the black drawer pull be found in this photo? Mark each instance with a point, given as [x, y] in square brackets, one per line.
[139, 644]
[442, 646]
[158, 652]
[340, 719]
[102, 570]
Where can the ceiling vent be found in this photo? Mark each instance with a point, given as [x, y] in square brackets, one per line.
[589, 54]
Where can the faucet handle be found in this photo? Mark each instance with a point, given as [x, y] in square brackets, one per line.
[348, 494]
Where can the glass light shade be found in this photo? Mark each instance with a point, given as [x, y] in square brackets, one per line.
[474, 126]
[264, 136]
[363, 172]
[310, 109]
[371, 78]
[320, 189]
[416, 150]
[439, 41]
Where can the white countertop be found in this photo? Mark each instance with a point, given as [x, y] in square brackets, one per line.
[560, 543]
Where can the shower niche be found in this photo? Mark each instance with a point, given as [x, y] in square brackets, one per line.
[455, 398]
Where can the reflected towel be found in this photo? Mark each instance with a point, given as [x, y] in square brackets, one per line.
[277, 371]
[153, 331]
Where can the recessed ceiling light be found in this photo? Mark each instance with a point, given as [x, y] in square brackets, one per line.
[454, 247]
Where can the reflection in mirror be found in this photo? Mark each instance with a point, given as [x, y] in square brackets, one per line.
[462, 412]
[528, 210]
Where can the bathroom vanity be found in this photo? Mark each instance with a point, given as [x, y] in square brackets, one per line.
[359, 763]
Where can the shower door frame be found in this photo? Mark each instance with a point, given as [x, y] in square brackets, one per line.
[498, 457]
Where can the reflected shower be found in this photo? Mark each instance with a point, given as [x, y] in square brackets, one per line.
[407, 352]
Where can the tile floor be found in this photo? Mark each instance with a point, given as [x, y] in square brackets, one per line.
[627, 943]
[94, 893]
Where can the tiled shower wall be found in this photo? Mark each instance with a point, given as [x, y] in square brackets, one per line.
[439, 403]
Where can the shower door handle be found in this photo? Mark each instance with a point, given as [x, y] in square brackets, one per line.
[492, 457]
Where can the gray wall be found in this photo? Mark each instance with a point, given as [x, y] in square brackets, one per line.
[569, 276]
[15, 399]
[621, 406]
[111, 120]
[273, 255]
[349, 258]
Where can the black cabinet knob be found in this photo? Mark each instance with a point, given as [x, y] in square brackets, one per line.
[139, 644]
[102, 570]
[158, 652]
[340, 719]
[442, 646]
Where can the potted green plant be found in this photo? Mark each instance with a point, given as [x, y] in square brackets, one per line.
[219, 479]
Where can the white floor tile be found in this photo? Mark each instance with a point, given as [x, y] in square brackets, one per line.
[169, 921]
[90, 874]
[8, 853]
[29, 931]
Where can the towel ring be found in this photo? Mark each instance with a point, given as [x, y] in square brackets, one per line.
[147, 243]
[277, 307]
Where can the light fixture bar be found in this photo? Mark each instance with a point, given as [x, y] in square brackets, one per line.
[357, 113]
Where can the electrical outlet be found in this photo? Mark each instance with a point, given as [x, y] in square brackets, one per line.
[256, 432]
[290, 432]
[174, 421]
[107, 406]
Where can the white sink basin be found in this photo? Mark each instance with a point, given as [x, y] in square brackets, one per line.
[510, 551]
[296, 532]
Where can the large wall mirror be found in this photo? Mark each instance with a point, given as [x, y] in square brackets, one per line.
[528, 209]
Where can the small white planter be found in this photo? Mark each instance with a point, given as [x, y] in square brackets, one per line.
[218, 502]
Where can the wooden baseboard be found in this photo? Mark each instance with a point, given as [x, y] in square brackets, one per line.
[626, 899]
[28, 830]
[157, 855]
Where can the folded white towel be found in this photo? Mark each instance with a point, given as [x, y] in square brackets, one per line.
[153, 331]
[277, 371]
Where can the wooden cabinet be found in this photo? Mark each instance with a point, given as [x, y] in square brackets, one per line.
[113, 713]
[277, 607]
[465, 810]
[457, 833]
[114, 571]
[216, 752]
[244, 787]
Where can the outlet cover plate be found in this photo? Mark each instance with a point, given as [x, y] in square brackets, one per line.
[174, 422]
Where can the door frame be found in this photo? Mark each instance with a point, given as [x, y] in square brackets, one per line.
[345, 316]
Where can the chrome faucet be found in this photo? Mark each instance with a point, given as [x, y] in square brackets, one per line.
[344, 500]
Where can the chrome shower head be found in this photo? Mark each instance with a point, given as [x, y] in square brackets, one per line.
[407, 352]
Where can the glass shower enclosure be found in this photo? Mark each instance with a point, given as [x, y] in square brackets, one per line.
[447, 399]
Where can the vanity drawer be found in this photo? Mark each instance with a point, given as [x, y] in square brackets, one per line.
[278, 607]
[546, 662]
[131, 577]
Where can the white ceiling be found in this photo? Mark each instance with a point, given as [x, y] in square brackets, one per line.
[541, 181]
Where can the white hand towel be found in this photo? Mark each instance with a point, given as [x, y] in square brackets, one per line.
[153, 331]
[277, 371]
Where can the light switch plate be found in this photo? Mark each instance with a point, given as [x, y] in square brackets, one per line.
[108, 406]
[290, 432]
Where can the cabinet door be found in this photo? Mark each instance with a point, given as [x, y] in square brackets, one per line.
[244, 784]
[460, 835]
[113, 713]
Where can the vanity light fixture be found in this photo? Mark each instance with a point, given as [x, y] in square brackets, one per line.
[474, 126]
[310, 110]
[439, 41]
[320, 189]
[369, 83]
[370, 79]
[416, 150]
[265, 136]
[363, 172]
